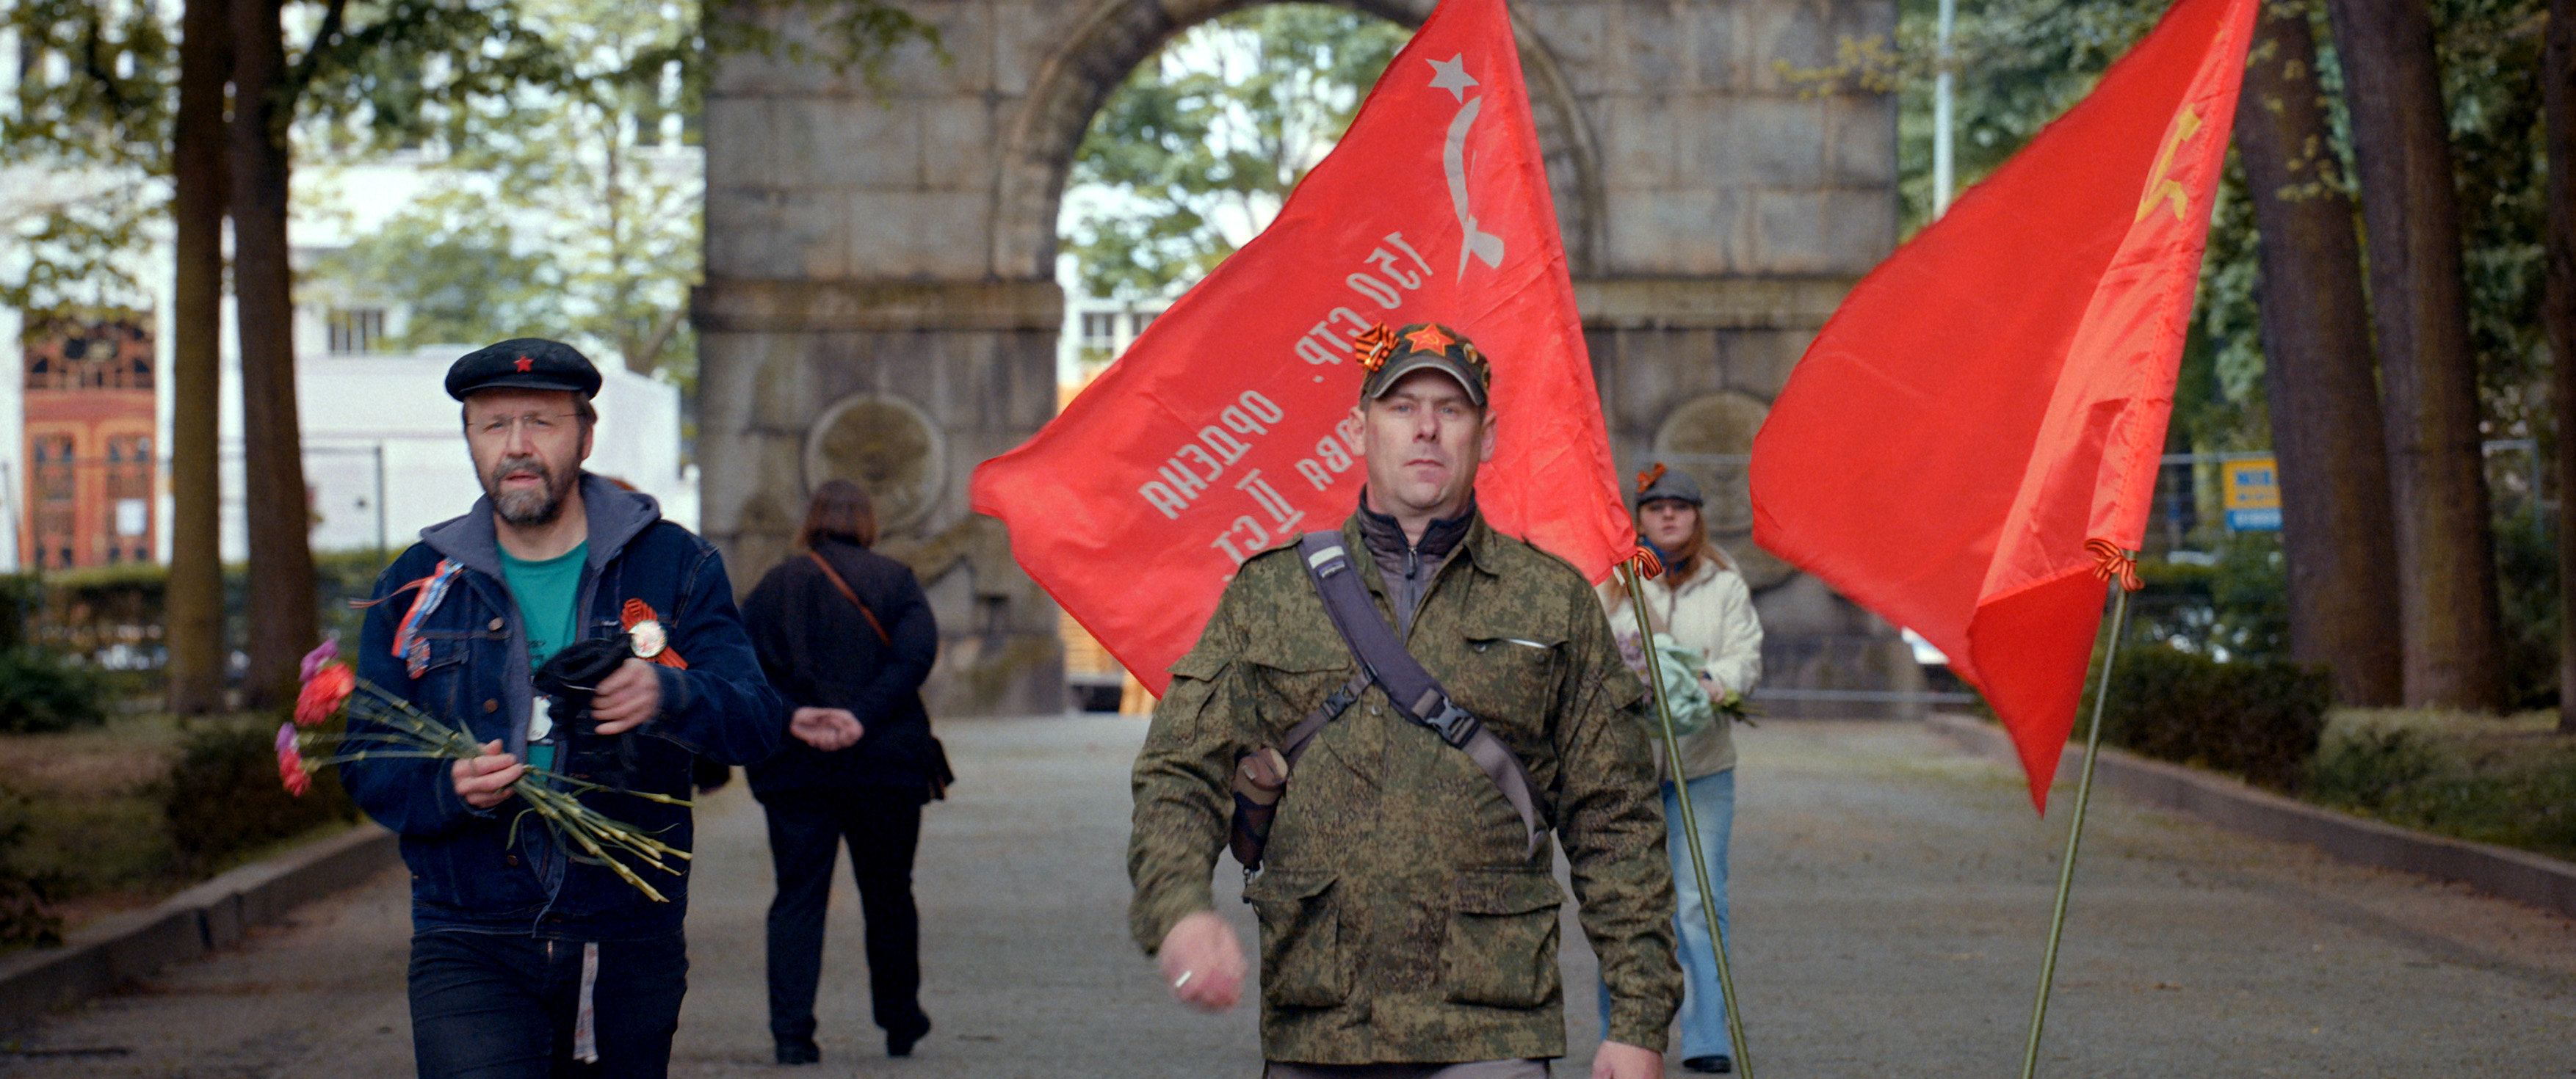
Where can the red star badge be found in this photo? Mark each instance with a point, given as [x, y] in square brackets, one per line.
[525, 363]
[1429, 339]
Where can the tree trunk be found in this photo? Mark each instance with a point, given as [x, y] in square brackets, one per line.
[2558, 101]
[193, 607]
[2335, 528]
[2437, 483]
[282, 622]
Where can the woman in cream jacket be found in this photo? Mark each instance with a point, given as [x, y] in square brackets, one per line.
[1703, 603]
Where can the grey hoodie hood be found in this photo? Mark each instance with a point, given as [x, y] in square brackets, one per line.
[616, 516]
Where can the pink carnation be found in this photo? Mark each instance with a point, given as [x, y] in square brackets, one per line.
[313, 660]
[290, 762]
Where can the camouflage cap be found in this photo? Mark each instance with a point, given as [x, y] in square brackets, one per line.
[1389, 355]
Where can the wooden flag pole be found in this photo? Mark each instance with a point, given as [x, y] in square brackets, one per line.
[2121, 583]
[1690, 819]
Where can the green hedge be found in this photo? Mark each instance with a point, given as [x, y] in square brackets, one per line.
[223, 797]
[2258, 719]
[24, 917]
[41, 692]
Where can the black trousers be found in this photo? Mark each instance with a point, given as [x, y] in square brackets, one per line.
[882, 826]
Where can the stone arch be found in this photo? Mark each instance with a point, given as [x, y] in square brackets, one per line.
[1108, 38]
[896, 236]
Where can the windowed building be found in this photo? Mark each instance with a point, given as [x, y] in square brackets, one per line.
[86, 496]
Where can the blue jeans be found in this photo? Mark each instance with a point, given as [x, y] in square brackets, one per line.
[1703, 1004]
[496, 1006]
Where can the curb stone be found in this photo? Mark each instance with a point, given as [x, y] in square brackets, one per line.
[2521, 876]
[211, 916]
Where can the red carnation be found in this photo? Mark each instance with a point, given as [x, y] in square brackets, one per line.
[322, 696]
[290, 761]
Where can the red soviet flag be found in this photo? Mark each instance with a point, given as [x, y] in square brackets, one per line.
[1994, 395]
[1226, 428]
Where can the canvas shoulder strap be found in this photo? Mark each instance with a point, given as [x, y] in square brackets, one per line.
[1418, 696]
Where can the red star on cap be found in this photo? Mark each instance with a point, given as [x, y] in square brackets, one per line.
[525, 363]
[1429, 339]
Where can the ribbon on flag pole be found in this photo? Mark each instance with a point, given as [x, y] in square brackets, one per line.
[1227, 428]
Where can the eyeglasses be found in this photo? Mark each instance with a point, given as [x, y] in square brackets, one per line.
[538, 425]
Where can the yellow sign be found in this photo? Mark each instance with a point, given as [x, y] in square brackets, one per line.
[2251, 494]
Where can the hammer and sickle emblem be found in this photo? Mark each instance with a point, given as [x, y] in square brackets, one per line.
[2166, 190]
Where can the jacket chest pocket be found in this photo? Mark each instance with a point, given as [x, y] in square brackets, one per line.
[1501, 946]
[1507, 674]
[1296, 672]
[1301, 939]
[435, 659]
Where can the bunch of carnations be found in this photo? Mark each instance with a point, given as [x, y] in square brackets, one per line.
[394, 728]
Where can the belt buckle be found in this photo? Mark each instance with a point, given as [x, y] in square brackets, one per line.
[1456, 725]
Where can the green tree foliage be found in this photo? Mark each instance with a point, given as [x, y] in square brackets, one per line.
[1196, 151]
[2490, 57]
[457, 269]
[86, 118]
[82, 141]
[565, 209]
[2020, 63]
[570, 207]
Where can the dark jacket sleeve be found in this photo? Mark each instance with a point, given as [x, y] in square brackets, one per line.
[911, 648]
[721, 706]
[408, 795]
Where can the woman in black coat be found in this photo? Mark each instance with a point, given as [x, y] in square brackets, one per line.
[849, 656]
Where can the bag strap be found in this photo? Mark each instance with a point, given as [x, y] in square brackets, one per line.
[853, 597]
[1416, 695]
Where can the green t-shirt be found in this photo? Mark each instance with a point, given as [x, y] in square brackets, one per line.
[546, 591]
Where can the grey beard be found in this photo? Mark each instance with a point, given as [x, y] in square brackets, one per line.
[527, 508]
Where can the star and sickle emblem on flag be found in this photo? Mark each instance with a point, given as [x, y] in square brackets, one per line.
[2166, 189]
[1451, 75]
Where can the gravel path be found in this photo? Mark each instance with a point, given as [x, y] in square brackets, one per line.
[1890, 902]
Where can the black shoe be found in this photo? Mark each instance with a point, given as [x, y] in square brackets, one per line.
[803, 1051]
[1711, 1065]
[899, 1043]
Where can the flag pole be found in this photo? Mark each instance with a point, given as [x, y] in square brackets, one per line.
[1690, 818]
[2124, 580]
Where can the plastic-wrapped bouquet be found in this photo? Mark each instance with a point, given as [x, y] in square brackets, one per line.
[394, 728]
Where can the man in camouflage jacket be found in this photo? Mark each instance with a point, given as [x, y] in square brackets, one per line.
[1405, 917]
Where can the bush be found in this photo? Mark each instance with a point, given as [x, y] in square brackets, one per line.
[24, 918]
[2476, 777]
[2368, 769]
[223, 798]
[2257, 719]
[2527, 594]
[2236, 607]
[40, 692]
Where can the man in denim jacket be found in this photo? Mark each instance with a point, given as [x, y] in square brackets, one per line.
[526, 958]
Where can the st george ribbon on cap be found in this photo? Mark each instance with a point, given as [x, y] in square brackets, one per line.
[1389, 355]
[523, 363]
